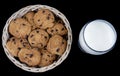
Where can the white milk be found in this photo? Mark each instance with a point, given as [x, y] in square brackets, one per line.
[97, 37]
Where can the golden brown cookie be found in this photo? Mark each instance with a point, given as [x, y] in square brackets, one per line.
[56, 45]
[38, 38]
[46, 58]
[57, 29]
[14, 45]
[31, 57]
[19, 28]
[29, 17]
[44, 19]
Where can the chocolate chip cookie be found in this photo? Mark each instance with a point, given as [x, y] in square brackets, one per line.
[19, 28]
[57, 29]
[46, 58]
[56, 45]
[14, 45]
[29, 17]
[44, 19]
[38, 38]
[31, 57]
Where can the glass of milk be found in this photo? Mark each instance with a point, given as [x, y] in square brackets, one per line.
[97, 37]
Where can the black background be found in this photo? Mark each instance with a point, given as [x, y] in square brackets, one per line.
[78, 13]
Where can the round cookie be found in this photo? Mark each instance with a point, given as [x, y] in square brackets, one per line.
[38, 38]
[56, 45]
[46, 58]
[29, 17]
[31, 57]
[44, 19]
[14, 45]
[57, 29]
[19, 28]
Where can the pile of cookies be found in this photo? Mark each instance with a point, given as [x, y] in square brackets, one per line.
[38, 38]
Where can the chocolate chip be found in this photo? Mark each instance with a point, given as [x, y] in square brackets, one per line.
[30, 55]
[43, 11]
[41, 53]
[62, 29]
[32, 43]
[38, 20]
[13, 39]
[48, 55]
[45, 37]
[21, 40]
[56, 29]
[52, 30]
[24, 45]
[58, 50]
[50, 61]
[45, 48]
[37, 31]
[14, 19]
[62, 42]
[23, 24]
[35, 28]
[48, 18]
[19, 48]
[31, 36]
[46, 60]
[40, 25]
[41, 44]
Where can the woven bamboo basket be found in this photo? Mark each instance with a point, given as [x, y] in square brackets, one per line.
[20, 13]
